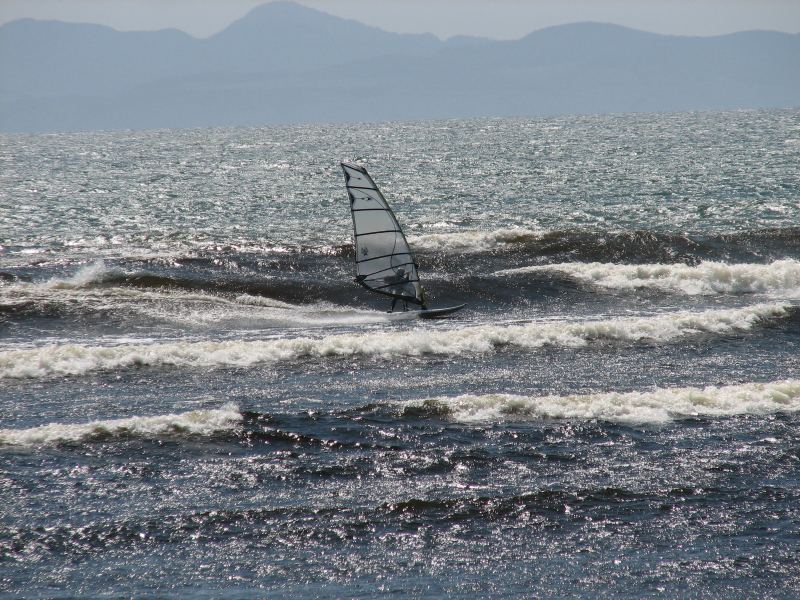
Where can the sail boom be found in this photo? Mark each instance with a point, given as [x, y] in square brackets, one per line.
[391, 295]
[380, 287]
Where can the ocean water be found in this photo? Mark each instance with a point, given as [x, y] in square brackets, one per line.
[196, 400]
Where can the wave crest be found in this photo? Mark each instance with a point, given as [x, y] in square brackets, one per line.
[472, 241]
[76, 359]
[95, 273]
[658, 406]
[196, 422]
[706, 278]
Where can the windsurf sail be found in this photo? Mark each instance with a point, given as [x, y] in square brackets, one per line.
[384, 263]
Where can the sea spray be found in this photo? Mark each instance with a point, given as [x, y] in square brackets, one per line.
[97, 272]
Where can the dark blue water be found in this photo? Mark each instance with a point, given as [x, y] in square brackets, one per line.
[197, 401]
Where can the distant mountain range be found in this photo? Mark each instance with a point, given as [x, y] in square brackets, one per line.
[285, 63]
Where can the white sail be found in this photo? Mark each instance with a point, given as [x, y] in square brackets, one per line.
[384, 263]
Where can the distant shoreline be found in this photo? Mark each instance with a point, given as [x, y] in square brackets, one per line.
[286, 64]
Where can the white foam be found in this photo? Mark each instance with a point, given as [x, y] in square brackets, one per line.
[657, 406]
[319, 313]
[196, 422]
[76, 359]
[250, 313]
[471, 241]
[780, 276]
[247, 299]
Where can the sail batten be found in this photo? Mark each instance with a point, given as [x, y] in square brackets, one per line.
[377, 232]
[373, 258]
[384, 261]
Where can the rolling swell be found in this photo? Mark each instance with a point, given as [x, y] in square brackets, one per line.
[78, 359]
[287, 281]
[100, 290]
[455, 267]
[781, 277]
[293, 526]
[284, 289]
[192, 423]
[354, 429]
[275, 527]
[626, 246]
[658, 406]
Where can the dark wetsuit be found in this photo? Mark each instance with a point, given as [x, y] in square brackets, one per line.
[399, 278]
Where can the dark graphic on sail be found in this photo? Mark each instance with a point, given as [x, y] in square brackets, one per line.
[384, 262]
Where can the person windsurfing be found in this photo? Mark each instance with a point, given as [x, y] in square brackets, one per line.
[384, 261]
[396, 281]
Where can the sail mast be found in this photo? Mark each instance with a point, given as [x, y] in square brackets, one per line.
[384, 262]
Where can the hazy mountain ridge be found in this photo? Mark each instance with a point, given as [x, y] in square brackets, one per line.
[287, 63]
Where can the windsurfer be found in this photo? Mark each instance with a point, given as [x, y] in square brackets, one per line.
[396, 281]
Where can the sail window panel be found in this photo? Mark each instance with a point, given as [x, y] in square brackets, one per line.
[357, 178]
[382, 244]
[371, 267]
[390, 285]
[366, 200]
[374, 220]
[384, 263]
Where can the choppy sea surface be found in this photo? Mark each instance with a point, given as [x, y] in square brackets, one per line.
[196, 400]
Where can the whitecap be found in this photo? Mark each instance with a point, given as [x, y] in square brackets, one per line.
[192, 423]
[471, 241]
[78, 359]
[706, 278]
[656, 406]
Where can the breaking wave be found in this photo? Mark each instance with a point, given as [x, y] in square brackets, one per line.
[192, 423]
[282, 286]
[88, 275]
[657, 406]
[76, 359]
[780, 276]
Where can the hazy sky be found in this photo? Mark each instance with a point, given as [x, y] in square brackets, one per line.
[504, 19]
